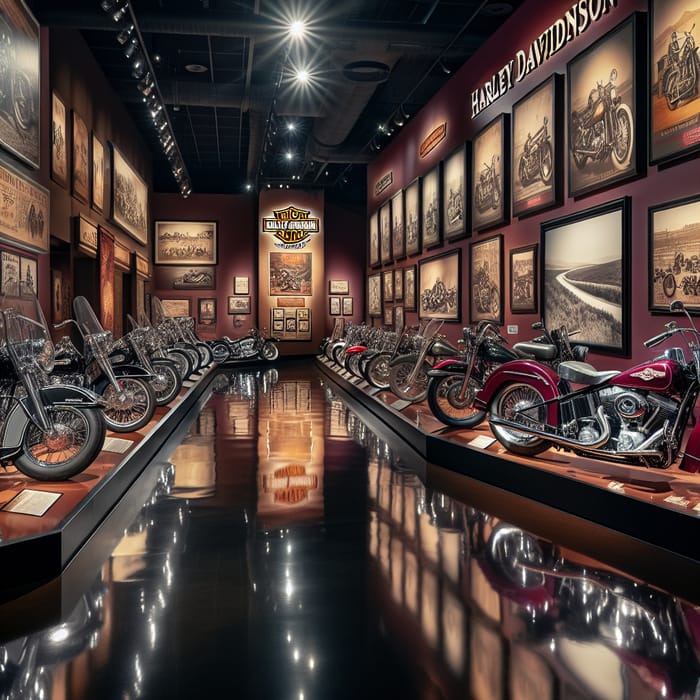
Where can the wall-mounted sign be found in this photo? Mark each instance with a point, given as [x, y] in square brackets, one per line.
[383, 182]
[122, 257]
[86, 236]
[292, 227]
[575, 22]
[142, 265]
[433, 139]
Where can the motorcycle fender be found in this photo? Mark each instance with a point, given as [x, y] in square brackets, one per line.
[402, 358]
[448, 366]
[354, 349]
[130, 371]
[691, 457]
[541, 377]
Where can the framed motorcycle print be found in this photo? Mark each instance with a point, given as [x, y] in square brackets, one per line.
[59, 140]
[536, 170]
[674, 255]
[430, 209]
[486, 279]
[454, 194]
[439, 286]
[374, 295]
[674, 72]
[398, 232]
[489, 176]
[388, 285]
[523, 280]
[603, 110]
[79, 168]
[412, 218]
[385, 232]
[290, 274]
[409, 288]
[373, 242]
[586, 274]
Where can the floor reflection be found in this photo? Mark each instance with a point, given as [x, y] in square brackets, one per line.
[287, 552]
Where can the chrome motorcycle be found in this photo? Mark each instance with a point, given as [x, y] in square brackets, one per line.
[604, 129]
[536, 160]
[253, 346]
[488, 191]
[679, 81]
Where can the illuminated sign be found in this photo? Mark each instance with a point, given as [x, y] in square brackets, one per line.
[383, 183]
[575, 22]
[292, 227]
[433, 139]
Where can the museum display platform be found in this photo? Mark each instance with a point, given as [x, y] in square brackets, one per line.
[658, 507]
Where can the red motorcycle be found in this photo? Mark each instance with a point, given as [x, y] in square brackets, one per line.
[637, 416]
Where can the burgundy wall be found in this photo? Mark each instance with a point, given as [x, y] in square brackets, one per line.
[453, 105]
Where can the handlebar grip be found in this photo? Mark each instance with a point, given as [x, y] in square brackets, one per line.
[652, 342]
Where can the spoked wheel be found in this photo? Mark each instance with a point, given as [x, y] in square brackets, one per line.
[624, 138]
[376, 370]
[130, 408]
[402, 383]
[167, 381]
[269, 351]
[220, 350]
[77, 437]
[519, 403]
[447, 404]
[546, 161]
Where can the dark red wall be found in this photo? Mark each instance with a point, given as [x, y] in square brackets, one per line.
[453, 105]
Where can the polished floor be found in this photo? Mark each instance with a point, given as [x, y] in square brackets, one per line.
[288, 552]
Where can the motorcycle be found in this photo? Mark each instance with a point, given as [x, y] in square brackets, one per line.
[129, 399]
[636, 416]
[50, 432]
[16, 92]
[604, 129]
[485, 293]
[679, 81]
[255, 345]
[488, 193]
[536, 158]
[454, 382]
[171, 333]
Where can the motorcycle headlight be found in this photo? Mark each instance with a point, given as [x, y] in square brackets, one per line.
[613, 93]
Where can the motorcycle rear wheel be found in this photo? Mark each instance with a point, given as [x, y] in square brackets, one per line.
[399, 374]
[444, 401]
[352, 364]
[518, 397]
[182, 360]
[131, 409]
[80, 436]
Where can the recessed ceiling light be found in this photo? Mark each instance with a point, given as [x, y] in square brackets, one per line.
[302, 76]
[297, 28]
[196, 68]
[498, 9]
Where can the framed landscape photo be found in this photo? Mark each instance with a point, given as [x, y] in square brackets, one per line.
[130, 200]
[586, 270]
[338, 286]
[185, 243]
[176, 308]
[241, 285]
[238, 305]
[523, 280]
[385, 232]
[486, 279]
[674, 255]
[59, 140]
[98, 174]
[374, 295]
[536, 169]
[412, 218]
[373, 255]
[409, 288]
[489, 175]
[430, 209]
[674, 72]
[398, 230]
[454, 194]
[605, 142]
[334, 306]
[206, 311]
[79, 164]
[388, 285]
[439, 286]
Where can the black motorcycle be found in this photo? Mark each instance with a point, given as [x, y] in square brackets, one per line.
[679, 81]
[536, 159]
[488, 191]
[252, 346]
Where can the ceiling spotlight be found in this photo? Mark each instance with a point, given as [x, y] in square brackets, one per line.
[445, 69]
[125, 34]
[138, 67]
[248, 187]
[291, 126]
[404, 113]
[289, 155]
[297, 29]
[145, 85]
[118, 14]
[130, 48]
[302, 76]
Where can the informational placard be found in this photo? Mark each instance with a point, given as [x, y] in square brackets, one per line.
[32, 502]
[481, 442]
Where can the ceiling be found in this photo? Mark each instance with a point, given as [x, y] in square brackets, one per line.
[226, 73]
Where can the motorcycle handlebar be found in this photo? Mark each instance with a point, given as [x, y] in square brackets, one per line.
[653, 342]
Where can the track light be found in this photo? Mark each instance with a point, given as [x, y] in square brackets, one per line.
[138, 67]
[130, 48]
[125, 34]
[118, 14]
[145, 85]
[445, 69]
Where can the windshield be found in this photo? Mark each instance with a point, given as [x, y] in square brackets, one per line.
[26, 333]
[157, 310]
[85, 317]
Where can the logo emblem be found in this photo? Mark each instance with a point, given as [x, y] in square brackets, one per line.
[292, 227]
[647, 374]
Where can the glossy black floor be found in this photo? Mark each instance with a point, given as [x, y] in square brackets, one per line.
[288, 552]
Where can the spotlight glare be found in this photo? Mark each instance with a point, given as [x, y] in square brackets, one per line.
[291, 126]
[302, 76]
[297, 29]
[289, 155]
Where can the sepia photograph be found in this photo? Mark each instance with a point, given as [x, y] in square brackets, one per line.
[486, 277]
[28, 276]
[241, 285]
[388, 285]
[385, 232]
[338, 286]
[59, 140]
[176, 308]
[430, 209]
[334, 306]
[130, 199]
[192, 278]
[374, 259]
[374, 294]
[398, 285]
[586, 275]
[523, 280]
[454, 194]
[290, 274]
[347, 306]
[398, 318]
[489, 175]
[238, 305]
[206, 311]
[439, 284]
[185, 243]
[9, 275]
[412, 218]
[398, 232]
[409, 288]
[79, 164]
[98, 174]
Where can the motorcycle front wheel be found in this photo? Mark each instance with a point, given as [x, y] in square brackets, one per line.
[447, 406]
[182, 362]
[623, 137]
[167, 381]
[205, 354]
[546, 160]
[220, 350]
[23, 101]
[376, 370]
[269, 351]
[131, 408]
[77, 439]
[399, 378]
[512, 403]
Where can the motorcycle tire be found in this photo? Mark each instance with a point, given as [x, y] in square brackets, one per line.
[167, 382]
[669, 285]
[23, 101]
[671, 91]
[183, 362]
[517, 397]
[399, 373]
[376, 370]
[338, 354]
[546, 162]
[131, 410]
[623, 145]
[352, 364]
[269, 351]
[193, 354]
[205, 354]
[220, 350]
[444, 401]
[82, 434]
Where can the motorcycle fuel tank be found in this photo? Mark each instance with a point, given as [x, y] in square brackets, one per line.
[659, 375]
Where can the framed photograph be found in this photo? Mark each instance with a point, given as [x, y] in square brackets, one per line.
[86, 236]
[454, 194]
[338, 287]
[373, 253]
[347, 306]
[206, 311]
[537, 148]
[385, 232]
[523, 280]
[304, 314]
[9, 275]
[609, 68]
[192, 277]
[19, 133]
[388, 285]
[290, 324]
[489, 175]
[278, 325]
[486, 279]
[303, 325]
[186, 243]
[674, 255]
[59, 141]
[334, 306]
[290, 274]
[277, 314]
[241, 285]
[674, 72]
[398, 285]
[439, 286]
[412, 218]
[586, 270]
[81, 151]
[130, 201]
[56, 296]
[430, 209]
[398, 231]
[176, 308]
[374, 295]
[98, 174]
[24, 215]
[239, 305]
[28, 276]
[409, 288]
[399, 320]
[388, 315]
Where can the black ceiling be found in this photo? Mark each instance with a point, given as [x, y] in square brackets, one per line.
[231, 119]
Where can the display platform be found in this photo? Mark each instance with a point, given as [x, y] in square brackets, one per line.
[660, 507]
[43, 524]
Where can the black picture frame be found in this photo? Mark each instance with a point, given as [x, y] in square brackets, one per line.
[398, 229]
[373, 240]
[431, 209]
[523, 279]
[374, 295]
[486, 286]
[412, 218]
[454, 176]
[410, 286]
[440, 286]
[385, 233]
[587, 253]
